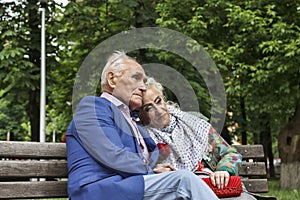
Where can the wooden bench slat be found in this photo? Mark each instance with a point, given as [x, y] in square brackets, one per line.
[16, 169]
[33, 189]
[256, 185]
[253, 173]
[250, 151]
[32, 150]
[253, 168]
[33, 169]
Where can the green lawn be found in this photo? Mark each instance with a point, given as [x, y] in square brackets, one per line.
[274, 190]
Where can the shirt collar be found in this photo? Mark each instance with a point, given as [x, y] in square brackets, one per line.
[117, 102]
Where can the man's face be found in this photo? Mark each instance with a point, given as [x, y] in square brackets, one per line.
[130, 85]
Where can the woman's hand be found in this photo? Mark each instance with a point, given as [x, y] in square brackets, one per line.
[165, 167]
[219, 179]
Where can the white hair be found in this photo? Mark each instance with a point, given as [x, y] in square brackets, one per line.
[152, 83]
[115, 63]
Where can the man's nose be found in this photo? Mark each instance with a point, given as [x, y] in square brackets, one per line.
[142, 87]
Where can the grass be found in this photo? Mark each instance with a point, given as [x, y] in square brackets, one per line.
[274, 190]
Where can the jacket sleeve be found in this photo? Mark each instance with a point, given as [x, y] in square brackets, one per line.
[105, 141]
[222, 156]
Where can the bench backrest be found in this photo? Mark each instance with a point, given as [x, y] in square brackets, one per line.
[253, 171]
[21, 163]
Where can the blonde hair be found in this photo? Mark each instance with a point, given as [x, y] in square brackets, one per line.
[152, 83]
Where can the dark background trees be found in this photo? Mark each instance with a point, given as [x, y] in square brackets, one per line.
[255, 45]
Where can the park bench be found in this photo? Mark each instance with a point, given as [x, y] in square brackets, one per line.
[253, 172]
[22, 163]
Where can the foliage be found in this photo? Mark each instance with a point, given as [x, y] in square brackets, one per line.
[14, 116]
[20, 61]
[95, 22]
[255, 45]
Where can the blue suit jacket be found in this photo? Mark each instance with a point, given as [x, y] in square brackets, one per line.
[104, 158]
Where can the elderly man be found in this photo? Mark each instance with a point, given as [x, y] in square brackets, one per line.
[111, 157]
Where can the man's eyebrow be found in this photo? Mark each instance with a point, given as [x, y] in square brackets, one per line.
[138, 73]
[140, 76]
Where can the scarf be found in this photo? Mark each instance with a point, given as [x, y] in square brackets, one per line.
[187, 138]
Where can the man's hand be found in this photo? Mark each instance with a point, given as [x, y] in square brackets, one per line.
[165, 167]
[219, 179]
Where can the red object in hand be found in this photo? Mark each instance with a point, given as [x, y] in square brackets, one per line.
[164, 149]
[233, 189]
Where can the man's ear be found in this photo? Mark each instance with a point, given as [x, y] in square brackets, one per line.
[111, 80]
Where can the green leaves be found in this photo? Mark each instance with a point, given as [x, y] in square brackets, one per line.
[255, 44]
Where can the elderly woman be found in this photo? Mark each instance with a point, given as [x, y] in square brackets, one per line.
[187, 140]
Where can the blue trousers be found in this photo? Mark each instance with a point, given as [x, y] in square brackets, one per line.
[179, 184]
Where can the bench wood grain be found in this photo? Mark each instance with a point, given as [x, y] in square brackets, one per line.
[33, 170]
[21, 163]
[253, 172]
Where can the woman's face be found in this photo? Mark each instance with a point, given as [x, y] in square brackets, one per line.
[154, 111]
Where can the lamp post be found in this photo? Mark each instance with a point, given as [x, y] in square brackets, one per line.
[43, 4]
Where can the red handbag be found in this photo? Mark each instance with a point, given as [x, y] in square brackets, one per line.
[233, 189]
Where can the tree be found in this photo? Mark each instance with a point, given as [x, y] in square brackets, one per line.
[20, 60]
[94, 22]
[289, 149]
[255, 46]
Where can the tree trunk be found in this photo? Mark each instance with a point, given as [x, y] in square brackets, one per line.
[266, 141]
[290, 175]
[34, 116]
[34, 56]
[244, 122]
[226, 135]
[289, 152]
